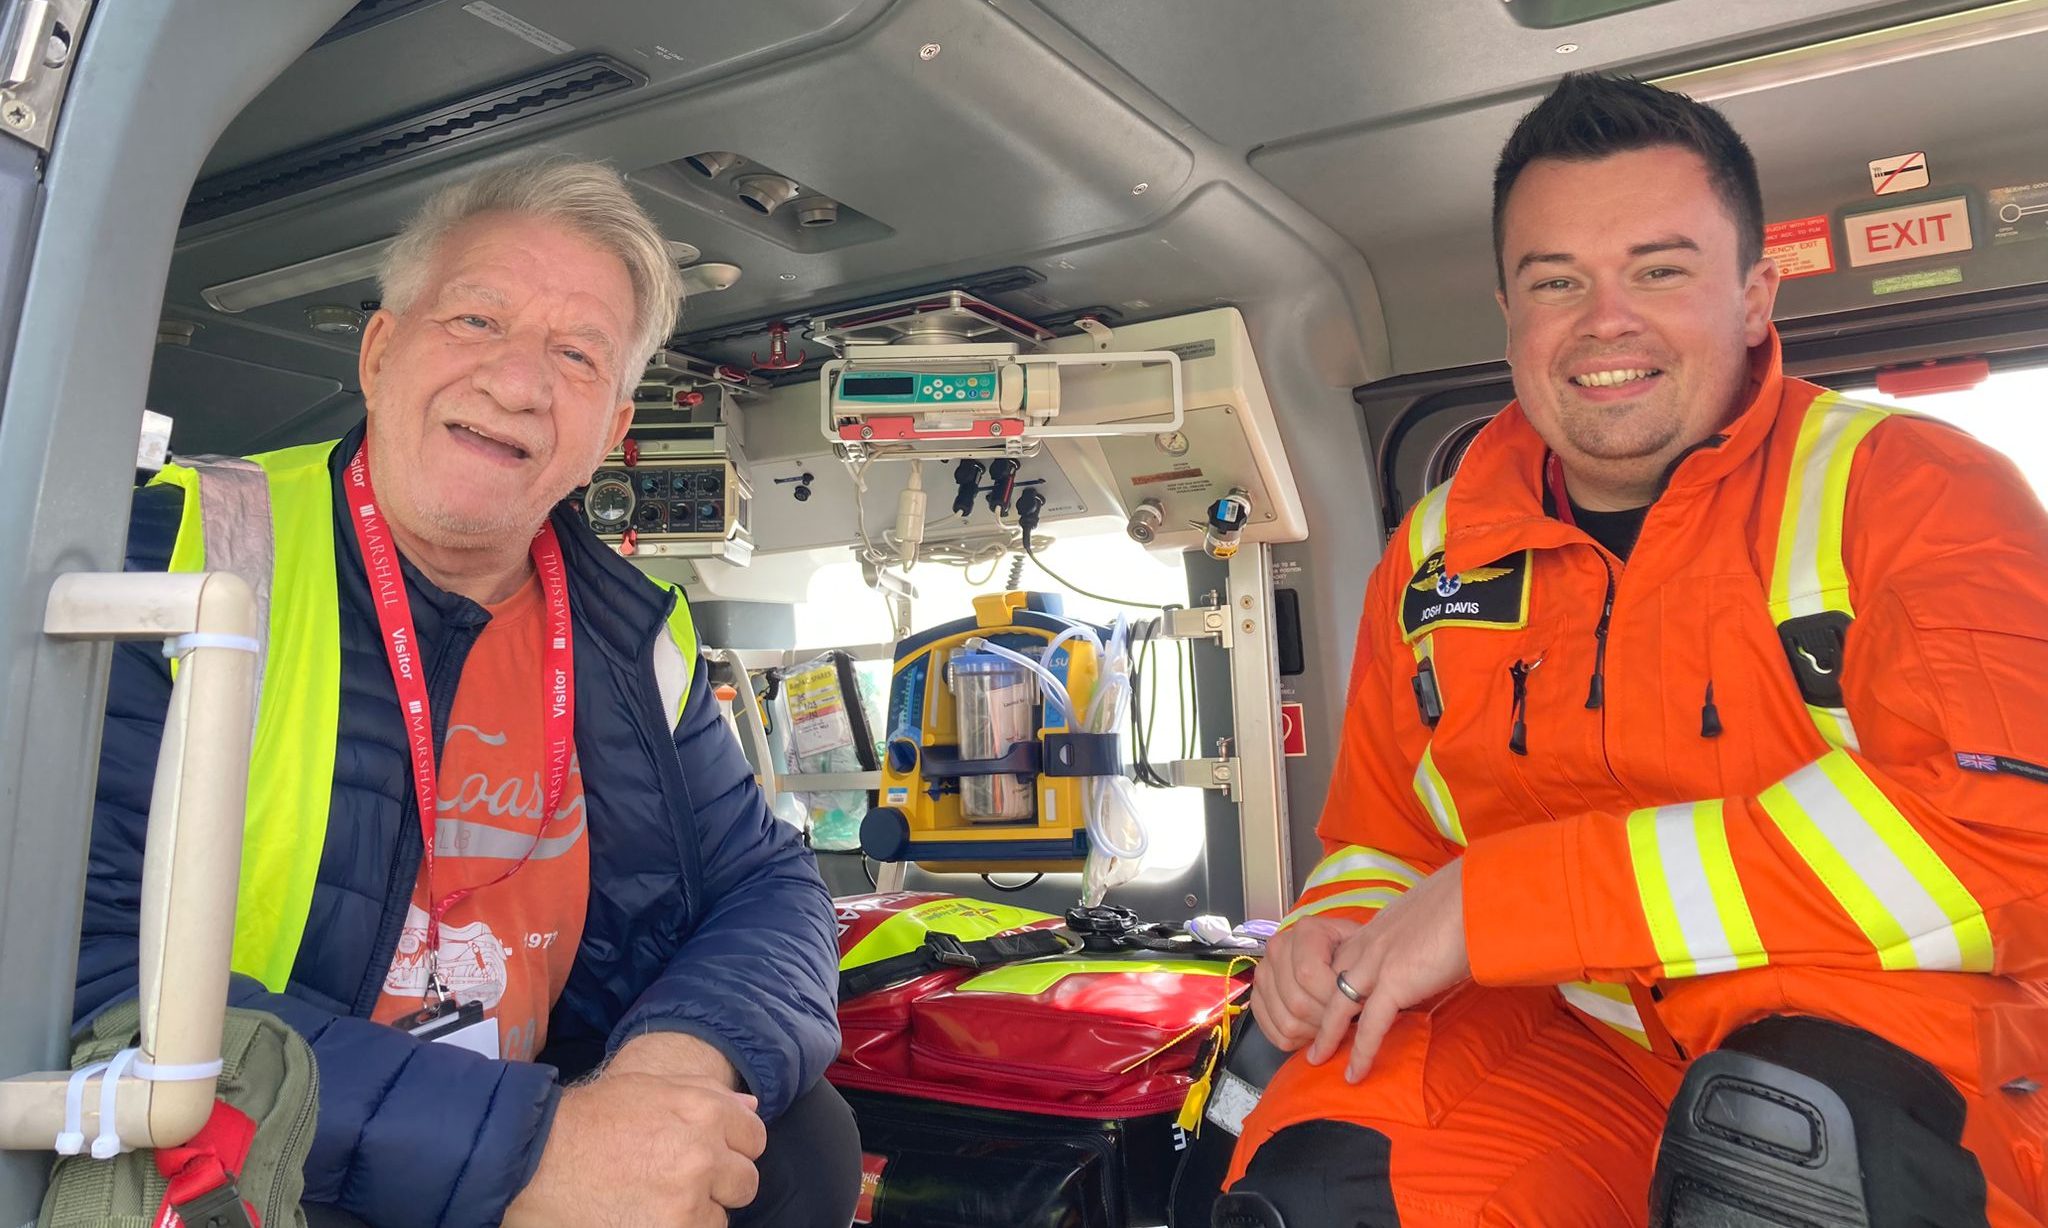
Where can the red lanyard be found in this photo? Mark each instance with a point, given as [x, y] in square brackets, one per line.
[1553, 474]
[401, 648]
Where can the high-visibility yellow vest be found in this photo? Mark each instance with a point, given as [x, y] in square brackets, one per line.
[270, 520]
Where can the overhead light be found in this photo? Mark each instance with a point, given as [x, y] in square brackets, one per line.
[335, 320]
[709, 277]
[1971, 28]
[297, 280]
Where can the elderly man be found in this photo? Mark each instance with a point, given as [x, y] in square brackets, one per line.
[497, 828]
[1689, 784]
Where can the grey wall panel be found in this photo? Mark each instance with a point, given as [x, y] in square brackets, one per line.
[20, 204]
[131, 138]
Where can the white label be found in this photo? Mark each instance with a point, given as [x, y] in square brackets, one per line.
[155, 447]
[1932, 229]
[817, 712]
[1904, 173]
[1231, 1102]
[517, 26]
[479, 1037]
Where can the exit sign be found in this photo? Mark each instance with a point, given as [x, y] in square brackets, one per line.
[1934, 228]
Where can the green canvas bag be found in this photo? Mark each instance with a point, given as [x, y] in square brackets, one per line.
[267, 1072]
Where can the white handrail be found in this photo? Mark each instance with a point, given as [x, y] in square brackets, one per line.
[193, 856]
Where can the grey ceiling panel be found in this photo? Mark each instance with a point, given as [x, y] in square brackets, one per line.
[1415, 196]
[955, 188]
[441, 50]
[1249, 72]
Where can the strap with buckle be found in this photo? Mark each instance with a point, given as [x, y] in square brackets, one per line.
[203, 1173]
[942, 951]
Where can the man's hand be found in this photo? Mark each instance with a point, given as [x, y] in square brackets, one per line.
[1413, 951]
[1297, 979]
[641, 1144]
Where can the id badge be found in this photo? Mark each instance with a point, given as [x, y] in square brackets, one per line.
[464, 1026]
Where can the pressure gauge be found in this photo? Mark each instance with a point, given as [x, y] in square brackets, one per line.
[609, 501]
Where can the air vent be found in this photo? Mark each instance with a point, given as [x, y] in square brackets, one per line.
[514, 102]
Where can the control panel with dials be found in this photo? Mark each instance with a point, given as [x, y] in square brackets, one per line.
[666, 501]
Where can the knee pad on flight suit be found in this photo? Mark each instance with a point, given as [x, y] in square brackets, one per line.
[1314, 1174]
[1806, 1122]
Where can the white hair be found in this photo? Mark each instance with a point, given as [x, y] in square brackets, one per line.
[587, 198]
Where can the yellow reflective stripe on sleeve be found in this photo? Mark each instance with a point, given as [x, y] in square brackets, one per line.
[1426, 534]
[1355, 864]
[1367, 897]
[1692, 898]
[1435, 793]
[1910, 905]
[1808, 575]
[1610, 1005]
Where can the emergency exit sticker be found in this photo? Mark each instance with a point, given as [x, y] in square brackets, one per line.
[1934, 228]
[1802, 247]
[1904, 173]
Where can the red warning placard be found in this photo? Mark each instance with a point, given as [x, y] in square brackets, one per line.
[1803, 247]
[1293, 731]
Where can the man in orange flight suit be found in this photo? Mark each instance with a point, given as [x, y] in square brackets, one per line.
[1694, 753]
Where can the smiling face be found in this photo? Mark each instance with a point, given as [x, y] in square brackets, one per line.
[496, 392]
[1629, 314]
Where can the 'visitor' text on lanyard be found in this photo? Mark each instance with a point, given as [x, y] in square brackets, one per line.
[401, 648]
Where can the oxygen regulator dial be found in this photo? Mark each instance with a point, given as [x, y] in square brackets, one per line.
[610, 502]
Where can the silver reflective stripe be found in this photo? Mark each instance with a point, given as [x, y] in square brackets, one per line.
[1806, 591]
[671, 676]
[1691, 889]
[462, 838]
[234, 512]
[1364, 866]
[1895, 894]
[1607, 1010]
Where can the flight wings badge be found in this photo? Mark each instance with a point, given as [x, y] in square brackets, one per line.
[1494, 596]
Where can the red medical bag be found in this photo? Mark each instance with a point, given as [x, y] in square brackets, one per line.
[1020, 1086]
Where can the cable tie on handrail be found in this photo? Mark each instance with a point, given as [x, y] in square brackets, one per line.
[109, 1144]
[178, 645]
[189, 1072]
[72, 1140]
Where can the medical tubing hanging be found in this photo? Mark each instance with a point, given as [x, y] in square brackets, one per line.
[1109, 797]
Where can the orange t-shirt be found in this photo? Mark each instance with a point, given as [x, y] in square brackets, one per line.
[508, 946]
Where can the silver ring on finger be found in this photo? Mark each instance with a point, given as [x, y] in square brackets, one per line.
[1345, 987]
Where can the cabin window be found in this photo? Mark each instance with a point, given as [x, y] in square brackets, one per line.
[841, 609]
[2008, 411]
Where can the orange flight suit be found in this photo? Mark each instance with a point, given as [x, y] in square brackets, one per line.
[1701, 849]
